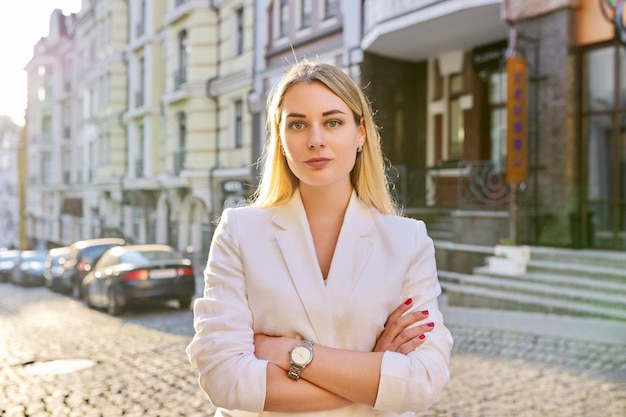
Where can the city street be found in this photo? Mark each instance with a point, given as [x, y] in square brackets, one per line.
[135, 365]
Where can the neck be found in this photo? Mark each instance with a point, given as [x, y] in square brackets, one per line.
[325, 200]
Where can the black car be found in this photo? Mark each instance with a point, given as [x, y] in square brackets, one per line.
[29, 268]
[133, 274]
[7, 261]
[54, 266]
[83, 255]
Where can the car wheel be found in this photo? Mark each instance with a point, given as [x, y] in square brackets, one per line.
[114, 307]
[184, 302]
[88, 298]
[77, 292]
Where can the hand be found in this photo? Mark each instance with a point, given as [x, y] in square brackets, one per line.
[274, 349]
[398, 336]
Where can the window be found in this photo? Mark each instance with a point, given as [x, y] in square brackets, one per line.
[46, 168]
[239, 31]
[283, 16]
[604, 144]
[141, 69]
[180, 77]
[238, 123]
[179, 156]
[497, 119]
[330, 9]
[456, 119]
[305, 13]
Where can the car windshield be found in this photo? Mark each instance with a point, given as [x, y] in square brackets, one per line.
[94, 252]
[145, 257]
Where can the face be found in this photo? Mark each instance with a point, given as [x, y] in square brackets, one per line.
[319, 135]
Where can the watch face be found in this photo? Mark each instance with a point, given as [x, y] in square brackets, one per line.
[301, 355]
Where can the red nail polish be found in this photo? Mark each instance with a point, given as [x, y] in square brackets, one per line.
[422, 336]
[424, 312]
[409, 301]
[431, 324]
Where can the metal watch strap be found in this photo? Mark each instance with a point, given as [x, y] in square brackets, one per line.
[296, 370]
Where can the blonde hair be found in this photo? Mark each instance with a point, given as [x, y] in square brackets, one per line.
[368, 178]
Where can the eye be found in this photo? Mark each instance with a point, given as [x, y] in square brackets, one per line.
[296, 125]
[334, 123]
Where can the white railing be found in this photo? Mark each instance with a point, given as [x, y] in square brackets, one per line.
[377, 11]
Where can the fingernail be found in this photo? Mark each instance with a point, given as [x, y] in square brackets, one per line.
[422, 336]
[424, 312]
[431, 324]
[409, 301]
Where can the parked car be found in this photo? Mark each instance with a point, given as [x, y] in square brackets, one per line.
[55, 262]
[29, 268]
[7, 260]
[132, 274]
[83, 255]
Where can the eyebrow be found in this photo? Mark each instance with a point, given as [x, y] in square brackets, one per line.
[326, 113]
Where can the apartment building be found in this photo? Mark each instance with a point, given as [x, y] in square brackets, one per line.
[52, 202]
[10, 145]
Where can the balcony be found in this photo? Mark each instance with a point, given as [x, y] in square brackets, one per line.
[180, 78]
[403, 29]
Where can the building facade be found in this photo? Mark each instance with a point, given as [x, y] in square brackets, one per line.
[165, 114]
[10, 145]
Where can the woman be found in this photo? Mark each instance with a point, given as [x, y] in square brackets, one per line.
[319, 298]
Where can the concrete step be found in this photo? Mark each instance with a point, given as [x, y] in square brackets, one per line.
[584, 282]
[577, 269]
[513, 293]
[588, 257]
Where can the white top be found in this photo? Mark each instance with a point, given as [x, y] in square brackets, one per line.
[262, 276]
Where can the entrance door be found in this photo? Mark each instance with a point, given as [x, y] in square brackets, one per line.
[603, 214]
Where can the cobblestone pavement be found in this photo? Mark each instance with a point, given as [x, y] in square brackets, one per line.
[140, 369]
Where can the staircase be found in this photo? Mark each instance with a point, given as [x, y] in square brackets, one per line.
[587, 283]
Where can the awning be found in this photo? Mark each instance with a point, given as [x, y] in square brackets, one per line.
[73, 207]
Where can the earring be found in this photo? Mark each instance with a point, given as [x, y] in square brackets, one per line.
[359, 149]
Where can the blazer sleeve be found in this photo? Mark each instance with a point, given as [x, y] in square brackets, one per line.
[222, 349]
[413, 382]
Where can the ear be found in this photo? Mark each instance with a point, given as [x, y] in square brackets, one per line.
[362, 133]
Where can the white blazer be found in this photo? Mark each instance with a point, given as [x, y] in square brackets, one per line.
[262, 276]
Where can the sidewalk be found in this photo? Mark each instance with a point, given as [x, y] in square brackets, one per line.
[579, 328]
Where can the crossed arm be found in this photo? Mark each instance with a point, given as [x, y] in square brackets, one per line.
[336, 377]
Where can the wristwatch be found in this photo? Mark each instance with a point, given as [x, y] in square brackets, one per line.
[299, 357]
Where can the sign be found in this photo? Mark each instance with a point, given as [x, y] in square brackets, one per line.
[489, 57]
[517, 120]
[233, 187]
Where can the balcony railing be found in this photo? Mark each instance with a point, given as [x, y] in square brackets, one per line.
[376, 11]
[180, 78]
[481, 186]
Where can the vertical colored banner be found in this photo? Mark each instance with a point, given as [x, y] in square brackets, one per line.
[517, 120]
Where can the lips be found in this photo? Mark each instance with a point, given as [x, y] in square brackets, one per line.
[317, 162]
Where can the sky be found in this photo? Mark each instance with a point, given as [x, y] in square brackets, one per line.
[22, 24]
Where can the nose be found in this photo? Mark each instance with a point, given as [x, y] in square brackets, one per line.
[316, 138]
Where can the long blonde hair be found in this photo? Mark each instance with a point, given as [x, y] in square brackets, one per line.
[368, 178]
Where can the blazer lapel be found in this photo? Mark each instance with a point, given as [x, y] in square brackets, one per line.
[353, 249]
[296, 244]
